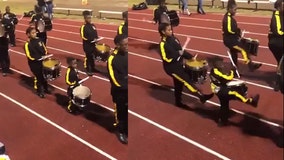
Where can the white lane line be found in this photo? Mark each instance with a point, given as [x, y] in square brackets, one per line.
[181, 136]
[188, 140]
[184, 35]
[204, 52]
[199, 27]
[148, 41]
[151, 82]
[132, 53]
[58, 127]
[158, 60]
[202, 19]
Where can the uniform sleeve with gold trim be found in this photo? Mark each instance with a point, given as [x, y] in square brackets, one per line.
[70, 78]
[168, 53]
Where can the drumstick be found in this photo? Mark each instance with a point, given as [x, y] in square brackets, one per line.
[195, 56]
[21, 17]
[186, 43]
[100, 38]
[231, 59]
[44, 57]
[81, 81]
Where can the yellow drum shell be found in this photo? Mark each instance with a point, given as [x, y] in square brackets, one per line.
[196, 64]
[103, 48]
[51, 63]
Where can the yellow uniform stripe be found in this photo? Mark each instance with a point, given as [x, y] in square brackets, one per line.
[45, 49]
[82, 33]
[244, 53]
[229, 25]
[115, 115]
[85, 62]
[278, 23]
[35, 83]
[227, 77]
[242, 98]
[187, 85]
[67, 78]
[163, 52]
[111, 72]
[120, 29]
[28, 51]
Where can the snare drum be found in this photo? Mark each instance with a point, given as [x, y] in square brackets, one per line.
[81, 96]
[103, 52]
[250, 45]
[197, 70]
[170, 17]
[51, 68]
[238, 86]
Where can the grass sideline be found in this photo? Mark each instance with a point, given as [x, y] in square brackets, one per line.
[19, 7]
[249, 11]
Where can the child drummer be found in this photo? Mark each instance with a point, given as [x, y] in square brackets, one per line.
[219, 79]
[72, 80]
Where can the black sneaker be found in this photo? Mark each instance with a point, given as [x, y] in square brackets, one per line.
[254, 101]
[122, 138]
[181, 105]
[206, 97]
[4, 74]
[254, 66]
[41, 95]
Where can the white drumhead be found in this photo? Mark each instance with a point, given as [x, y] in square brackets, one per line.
[81, 92]
[235, 83]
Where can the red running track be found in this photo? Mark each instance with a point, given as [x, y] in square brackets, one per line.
[245, 138]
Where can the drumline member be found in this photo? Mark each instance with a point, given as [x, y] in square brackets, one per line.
[71, 79]
[232, 35]
[123, 28]
[172, 57]
[38, 16]
[4, 51]
[35, 50]
[89, 36]
[10, 21]
[162, 8]
[275, 36]
[219, 79]
[118, 69]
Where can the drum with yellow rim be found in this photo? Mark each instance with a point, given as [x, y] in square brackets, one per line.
[103, 52]
[197, 70]
[51, 68]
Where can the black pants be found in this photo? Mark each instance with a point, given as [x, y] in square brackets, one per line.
[89, 63]
[276, 47]
[42, 36]
[235, 46]
[4, 60]
[180, 78]
[40, 83]
[12, 37]
[224, 97]
[71, 106]
[120, 98]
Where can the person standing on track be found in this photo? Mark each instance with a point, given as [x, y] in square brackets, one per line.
[162, 8]
[232, 35]
[35, 52]
[10, 21]
[117, 65]
[184, 7]
[219, 79]
[49, 8]
[4, 50]
[172, 56]
[275, 37]
[72, 80]
[35, 20]
[123, 28]
[89, 36]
